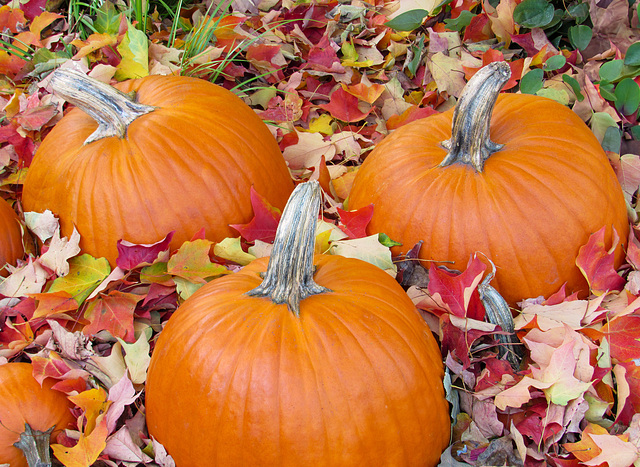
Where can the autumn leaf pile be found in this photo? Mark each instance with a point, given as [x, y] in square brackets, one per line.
[332, 79]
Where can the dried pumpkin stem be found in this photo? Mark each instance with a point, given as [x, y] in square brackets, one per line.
[289, 276]
[470, 142]
[35, 446]
[111, 109]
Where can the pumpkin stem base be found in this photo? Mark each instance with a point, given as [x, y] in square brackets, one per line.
[289, 276]
[35, 446]
[470, 143]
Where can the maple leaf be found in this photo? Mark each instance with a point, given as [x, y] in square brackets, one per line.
[366, 92]
[55, 367]
[409, 115]
[597, 263]
[53, 303]
[367, 249]
[264, 223]
[121, 447]
[113, 313]
[623, 335]
[137, 357]
[93, 43]
[85, 274]
[87, 450]
[11, 19]
[59, 251]
[230, 249]
[44, 224]
[281, 110]
[344, 106]
[458, 293]
[25, 280]
[121, 395]
[598, 447]
[354, 223]
[132, 255]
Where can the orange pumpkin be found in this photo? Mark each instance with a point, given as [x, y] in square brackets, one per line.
[11, 247]
[180, 157]
[526, 187]
[24, 401]
[326, 363]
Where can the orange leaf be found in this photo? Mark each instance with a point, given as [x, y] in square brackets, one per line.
[113, 313]
[87, 450]
[365, 93]
[597, 263]
[53, 303]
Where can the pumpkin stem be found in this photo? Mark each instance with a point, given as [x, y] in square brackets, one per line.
[111, 109]
[289, 276]
[470, 143]
[35, 446]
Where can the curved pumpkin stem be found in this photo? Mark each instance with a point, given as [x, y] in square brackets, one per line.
[35, 446]
[289, 276]
[111, 109]
[470, 142]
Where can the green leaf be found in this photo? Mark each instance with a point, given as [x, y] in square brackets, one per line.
[412, 66]
[532, 81]
[107, 19]
[635, 132]
[462, 21]
[134, 50]
[627, 96]
[580, 36]
[575, 86]
[579, 12]
[606, 91]
[599, 123]
[555, 62]
[632, 58]
[407, 21]
[612, 139]
[533, 13]
[610, 71]
[385, 240]
[85, 274]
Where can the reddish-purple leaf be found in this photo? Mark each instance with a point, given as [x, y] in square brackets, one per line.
[131, 255]
[264, 223]
[597, 264]
[354, 223]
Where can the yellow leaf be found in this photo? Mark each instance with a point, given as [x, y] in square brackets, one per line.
[230, 249]
[93, 403]
[134, 50]
[87, 450]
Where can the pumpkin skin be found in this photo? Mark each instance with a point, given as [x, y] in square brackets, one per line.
[23, 400]
[11, 248]
[187, 165]
[354, 380]
[533, 206]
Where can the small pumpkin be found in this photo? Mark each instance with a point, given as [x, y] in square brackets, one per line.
[525, 183]
[326, 363]
[24, 402]
[181, 155]
[11, 248]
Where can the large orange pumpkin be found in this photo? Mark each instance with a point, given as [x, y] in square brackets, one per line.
[526, 187]
[10, 236]
[24, 401]
[327, 363]
[180, 157]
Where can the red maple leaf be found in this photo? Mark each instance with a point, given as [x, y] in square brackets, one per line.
[264, 223]
[354, 223]
[597, 264]
[344, 106]
[113, 313]
[623, 334]
[131, 255]
[459, 291]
